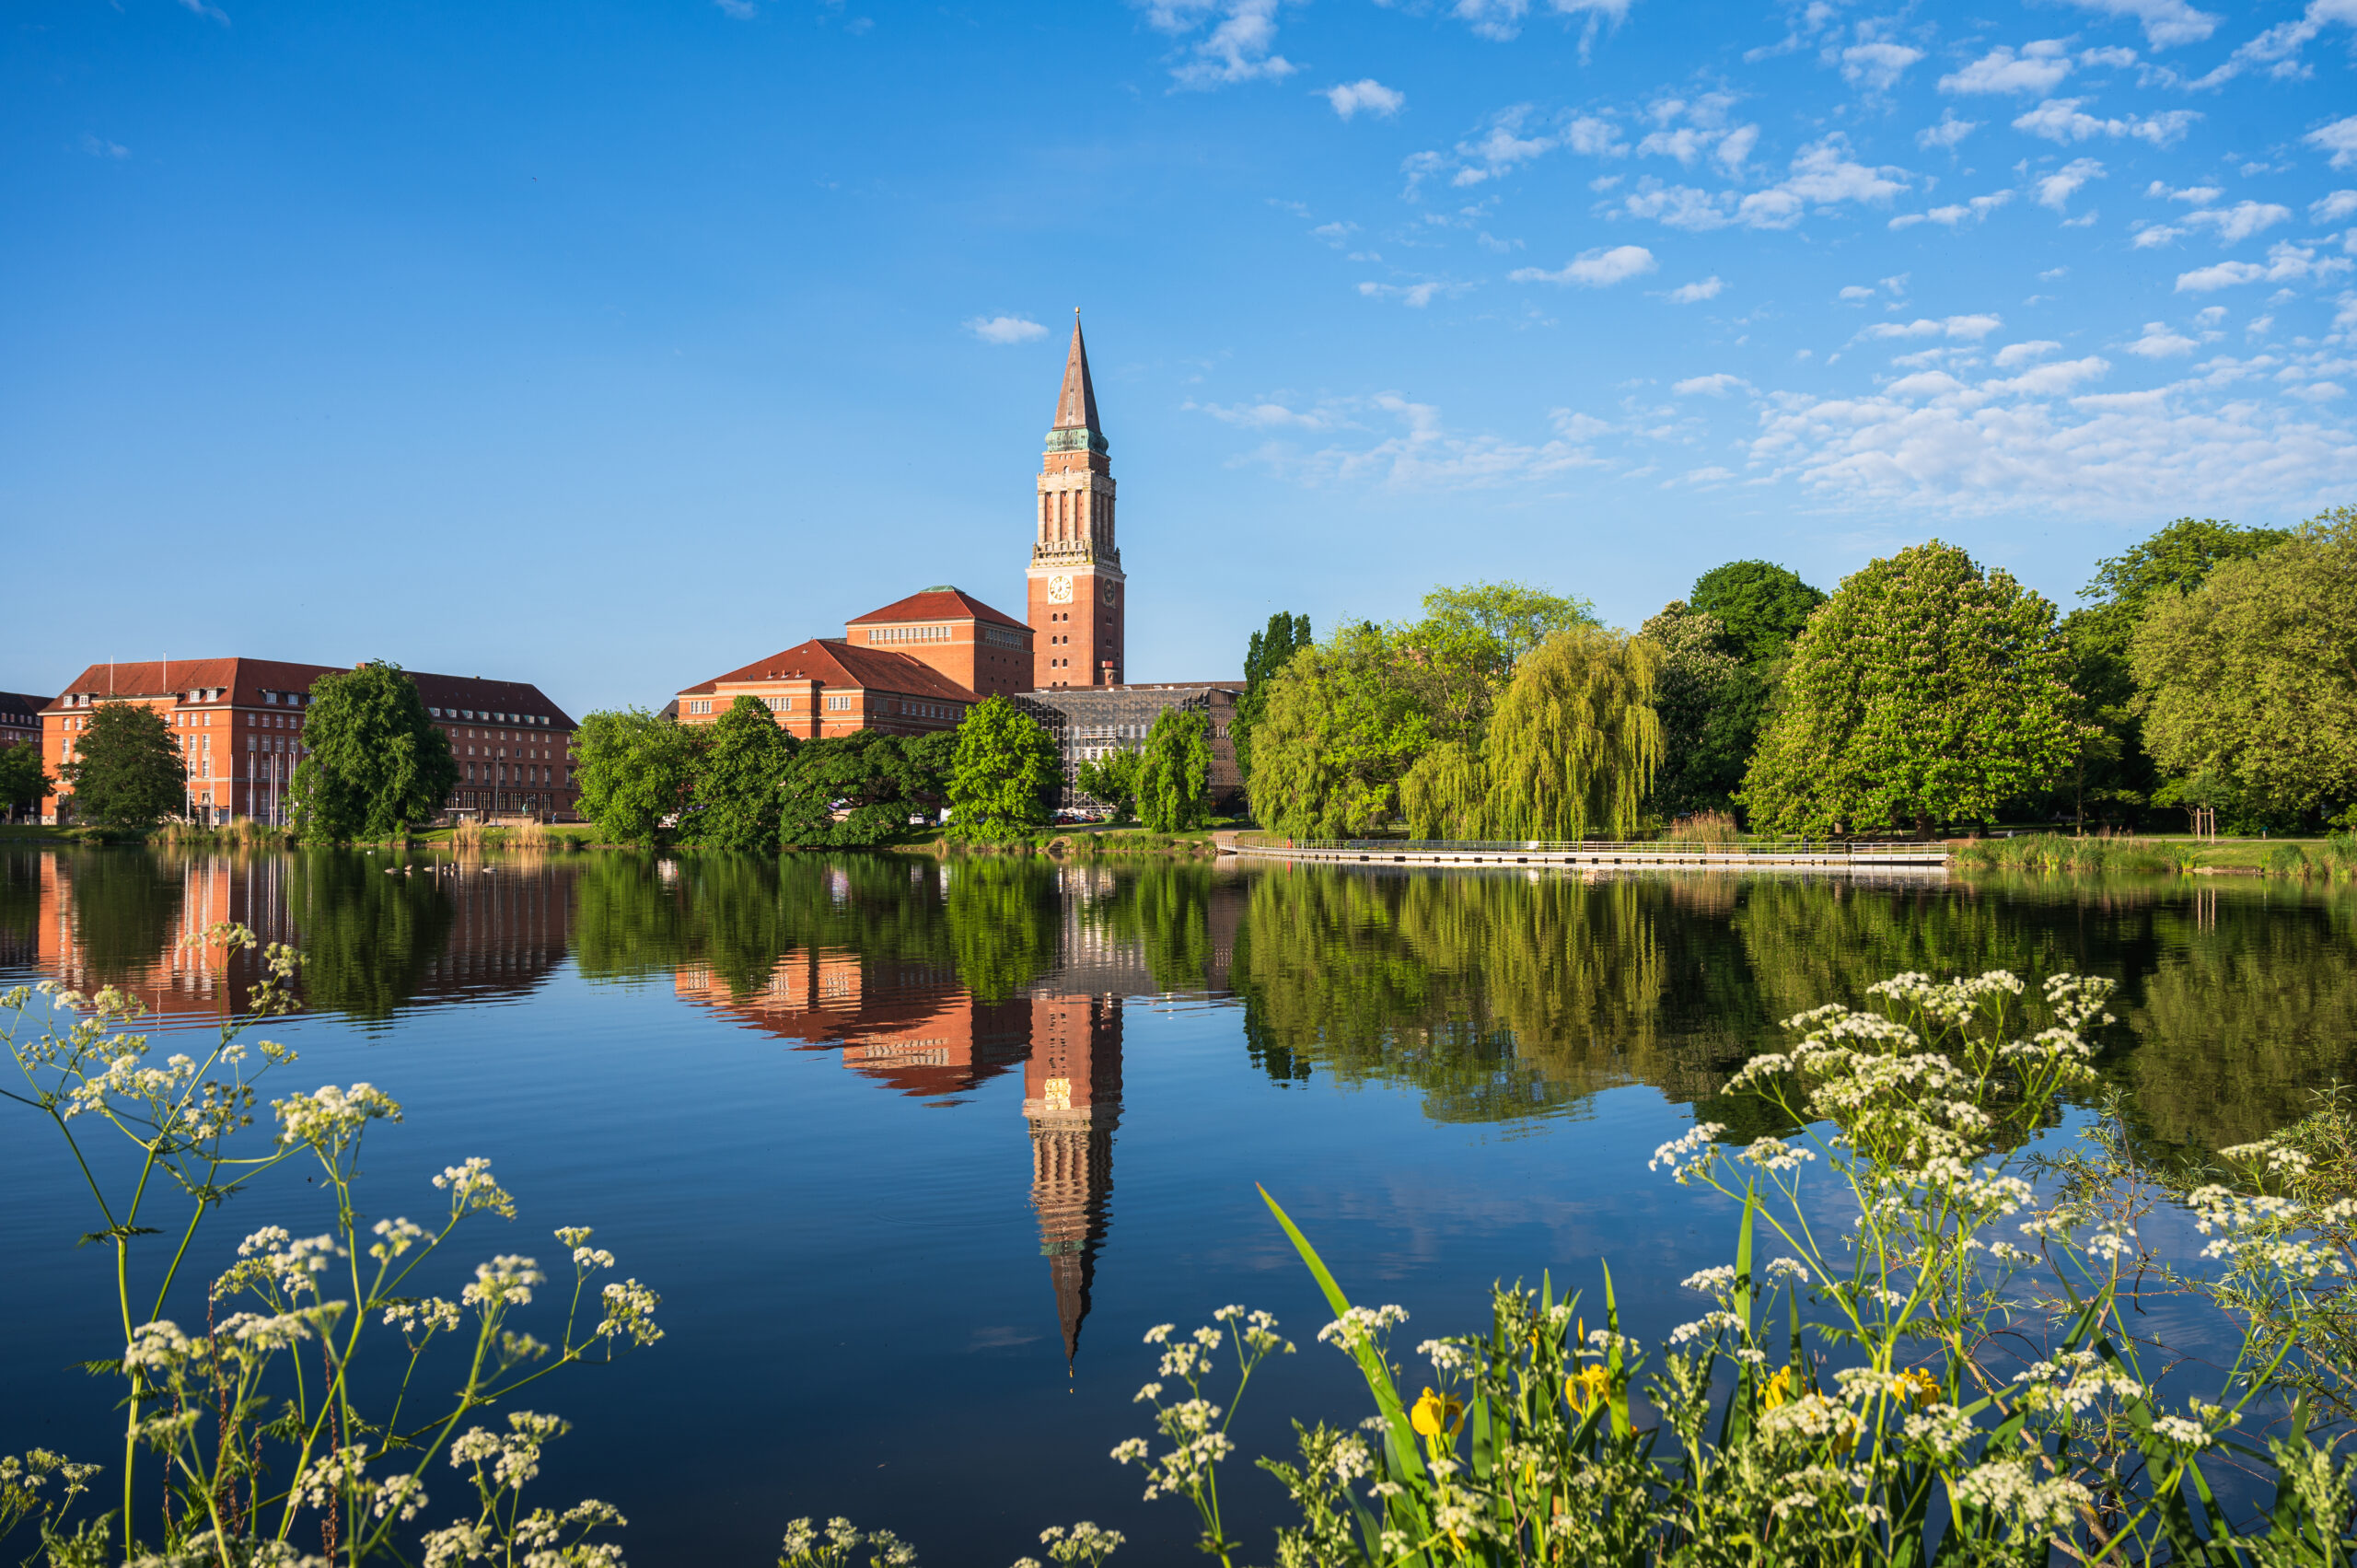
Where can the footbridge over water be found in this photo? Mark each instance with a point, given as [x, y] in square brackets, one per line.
[1759, 855]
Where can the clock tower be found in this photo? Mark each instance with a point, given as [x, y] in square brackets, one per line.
[1079, 599]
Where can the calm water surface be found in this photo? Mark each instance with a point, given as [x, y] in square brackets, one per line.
[915, 1153]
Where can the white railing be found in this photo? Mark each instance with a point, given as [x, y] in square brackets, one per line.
[1650, 849]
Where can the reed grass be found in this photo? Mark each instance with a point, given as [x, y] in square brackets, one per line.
[2063, 854]
[1705, 827]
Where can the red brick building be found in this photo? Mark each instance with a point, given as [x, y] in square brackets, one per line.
[830, 686]
[239, 724]
[981, 649]
[1078, 597]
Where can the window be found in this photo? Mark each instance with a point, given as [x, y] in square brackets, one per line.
[839, 705]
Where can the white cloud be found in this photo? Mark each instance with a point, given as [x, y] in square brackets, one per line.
[1335, 233]
[2160, 343]
[1822, 174]
[2155, 237]
[1420, 452]
[1877, 67]
[1997, 446]
[2168, 23]
[2056, 189]
[2198, 195]
[1948, 133]
[1694, 293]
[2279, 47]
[1501, 20]
[99, 146]
[1241, 46]
[2038, 68]
[1593, 269]
[1415, 296]
[2340, 139]
[1592, 138]
[1366, 93]
[214, 13]
[1271, 416]
[2113, 57]
[1496, 153]
[1970, 327]
[2022, 353]
[1713, 386]
[2240, 221]
[740, 10]
[1857, 291]
[2331, 208]
[1005, 329]
[2286, 262]
[2060, 120]
[1957, 214]
[2050, 380]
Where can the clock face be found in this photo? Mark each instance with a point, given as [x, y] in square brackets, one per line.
[1060, 590]
[1110, 591]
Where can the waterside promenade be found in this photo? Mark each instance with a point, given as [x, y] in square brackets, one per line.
[1757, 856]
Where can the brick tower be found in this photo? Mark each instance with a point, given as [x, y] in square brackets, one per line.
[1078, 597]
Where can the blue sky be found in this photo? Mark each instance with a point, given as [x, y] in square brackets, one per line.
[611, 346]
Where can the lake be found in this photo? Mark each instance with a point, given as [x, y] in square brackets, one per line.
[916, 1151]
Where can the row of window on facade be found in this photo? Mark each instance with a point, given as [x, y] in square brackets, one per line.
[842, 704]
[907, 633]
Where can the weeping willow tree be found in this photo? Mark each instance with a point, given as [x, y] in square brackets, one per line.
[1574, 740]
[1444, 795]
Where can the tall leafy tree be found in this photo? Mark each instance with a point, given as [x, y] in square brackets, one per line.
[1001, 777]
[738, 783]
[1575, 741]
[1111, 781]
[1489, 626]
[1924, 691]
[373, 760]
[126, 770]
[24, 783]
[2253, 675]
[636, 771]
[1174, 771]
[1284, 636]
[1709, 701]
[875, 780]
[1343, 726]
[1762, 606]
[2114, 772]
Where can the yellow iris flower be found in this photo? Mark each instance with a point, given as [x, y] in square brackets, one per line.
[1917, 1384]
[1779, 1391]
[1434, 1413]
[1587, 1386]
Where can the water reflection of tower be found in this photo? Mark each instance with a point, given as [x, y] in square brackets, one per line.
[1071, 1098]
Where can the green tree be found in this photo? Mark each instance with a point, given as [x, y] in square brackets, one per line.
[636, 771]
[1924, 691]
[1343, 726]
[1174, 787]
[736, 800]
[126, 770]
[1489, 626]
[2114, 773]
[1004, 771]
[1762, 606]
[1271, 648]
[23, 781]
[1111, 781]
[1711, 704]
[877, 781]
[1575, 740]
[2253, 675]
[373, 760]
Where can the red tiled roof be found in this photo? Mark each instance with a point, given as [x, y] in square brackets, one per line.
[834, 662]
[246, 679]
[937, 604]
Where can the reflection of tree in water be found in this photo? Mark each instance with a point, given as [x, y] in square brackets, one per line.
[996, 922]
[1003, 917]
[126, 909]
[1498, 997]
[19, 908]
[368, 940]
[1165, 909]
[2250, 1007]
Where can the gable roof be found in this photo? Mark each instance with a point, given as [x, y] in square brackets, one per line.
[937, 604]
[245, 679]
[831, 661]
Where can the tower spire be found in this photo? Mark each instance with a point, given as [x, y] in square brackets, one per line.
[1076, 403]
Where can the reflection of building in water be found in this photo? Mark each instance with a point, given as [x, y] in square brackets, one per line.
[370, 942]
[1071, 1098]
[910, 1026]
